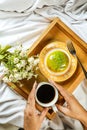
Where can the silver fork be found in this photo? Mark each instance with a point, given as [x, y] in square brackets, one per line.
[73, 52]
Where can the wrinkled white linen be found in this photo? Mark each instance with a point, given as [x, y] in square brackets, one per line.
[24, 21]
[72, 12]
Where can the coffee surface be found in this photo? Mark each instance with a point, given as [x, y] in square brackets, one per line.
[45, 93]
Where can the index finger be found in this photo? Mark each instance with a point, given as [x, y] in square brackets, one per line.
[31, 99]
[63, 92]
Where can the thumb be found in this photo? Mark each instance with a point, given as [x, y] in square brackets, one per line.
[43, 114]
[63, 109]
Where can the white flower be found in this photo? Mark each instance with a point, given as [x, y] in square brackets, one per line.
[16, 60]
[23, 63]
[6, 70]
[36, 62]
[28, 68]
[18, 66]
[15, 70]
[37, 68]
[11, 78]
[22, 66]
[24, 75]
[17, 76]
[23, 54]
[35, 75]
[30, 75]
[31, 60]
[5, 79]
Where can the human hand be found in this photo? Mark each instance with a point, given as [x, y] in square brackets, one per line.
[33, 120]
[73, 108]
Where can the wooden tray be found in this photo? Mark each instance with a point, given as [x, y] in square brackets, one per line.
[57, 30]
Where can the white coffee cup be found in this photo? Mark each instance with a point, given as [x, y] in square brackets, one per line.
[46, 95]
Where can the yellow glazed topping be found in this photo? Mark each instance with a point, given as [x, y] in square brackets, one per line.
[57, 61]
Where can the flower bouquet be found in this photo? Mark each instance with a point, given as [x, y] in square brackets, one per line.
[17, 65]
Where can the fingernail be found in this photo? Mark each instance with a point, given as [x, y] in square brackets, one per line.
[51, 81]
[35, 82]
[47, 109]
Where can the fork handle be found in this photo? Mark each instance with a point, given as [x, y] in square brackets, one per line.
[85, 73]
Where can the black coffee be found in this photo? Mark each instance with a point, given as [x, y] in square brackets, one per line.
[45, 93]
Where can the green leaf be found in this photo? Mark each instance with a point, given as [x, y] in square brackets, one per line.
[4, 49]
[1, 57]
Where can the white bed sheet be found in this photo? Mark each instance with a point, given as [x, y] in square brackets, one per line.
[28, 18]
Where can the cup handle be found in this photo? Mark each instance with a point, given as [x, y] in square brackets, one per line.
[54, 108]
